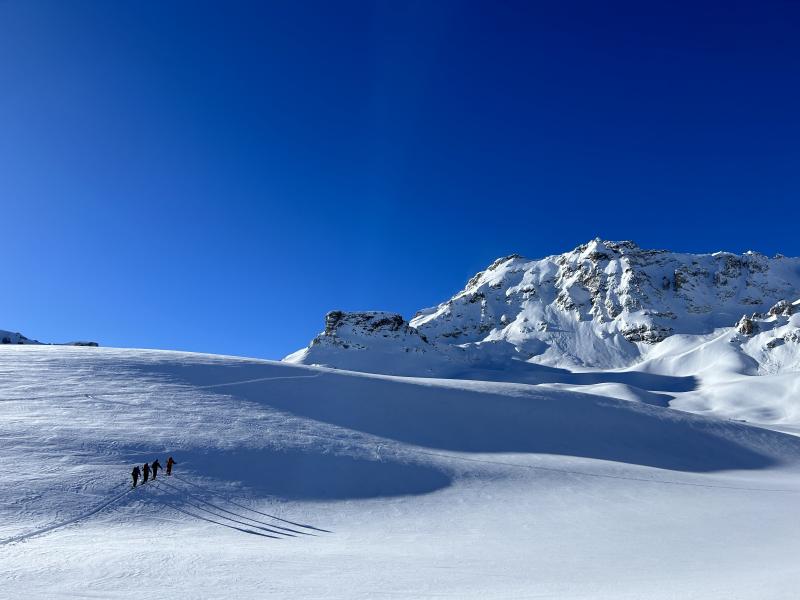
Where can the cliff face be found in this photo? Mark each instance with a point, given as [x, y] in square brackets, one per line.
[373, 341]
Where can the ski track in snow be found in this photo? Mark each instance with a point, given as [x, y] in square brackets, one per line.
[190, 499]
[53, 527]
[94, 396]
[107, 503]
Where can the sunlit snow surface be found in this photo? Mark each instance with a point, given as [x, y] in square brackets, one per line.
[300, 482]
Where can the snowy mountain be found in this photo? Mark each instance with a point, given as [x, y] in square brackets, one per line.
[602, 305]
[9, 337]
[607, 423]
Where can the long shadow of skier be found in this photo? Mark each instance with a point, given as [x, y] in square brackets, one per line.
[201, 504]
[164, 499]
[258, 512]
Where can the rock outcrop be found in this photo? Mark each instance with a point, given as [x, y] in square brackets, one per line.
[782, 308]
[746, 326]
[354, 329]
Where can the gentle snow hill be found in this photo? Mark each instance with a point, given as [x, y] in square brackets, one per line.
[602, 305]
[305, 482]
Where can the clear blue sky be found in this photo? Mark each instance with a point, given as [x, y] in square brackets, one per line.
[217, 176]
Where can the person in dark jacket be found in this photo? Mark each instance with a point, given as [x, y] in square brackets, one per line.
[135, 474]
[146, 470]
[170, 462]
[156, 466]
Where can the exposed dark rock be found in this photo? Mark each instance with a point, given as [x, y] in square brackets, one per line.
[650, 334]
[783, 308]
[564, 301]
[475, 279]
[792, 336]
[332, 321]
[679, 279]
[621, 246]
[746, 326]
[368, 322]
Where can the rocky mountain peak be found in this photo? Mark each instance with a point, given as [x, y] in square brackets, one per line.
[602, 304]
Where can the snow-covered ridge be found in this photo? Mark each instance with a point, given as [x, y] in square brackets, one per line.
[10, 337]
[604, 304]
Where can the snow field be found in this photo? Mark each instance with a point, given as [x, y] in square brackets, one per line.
[375, 486]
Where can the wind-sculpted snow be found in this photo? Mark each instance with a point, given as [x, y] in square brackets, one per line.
[260, 424]
[305, 482]
[603, 305]
[217, 416]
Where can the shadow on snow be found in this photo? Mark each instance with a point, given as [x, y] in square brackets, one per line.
[440, 416]
[298, 475]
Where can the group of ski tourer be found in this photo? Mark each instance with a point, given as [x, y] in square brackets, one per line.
[145, 471]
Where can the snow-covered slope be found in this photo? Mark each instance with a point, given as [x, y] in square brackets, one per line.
[602, 305]
[303, 482]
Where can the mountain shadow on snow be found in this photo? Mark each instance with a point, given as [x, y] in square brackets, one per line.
[445, 416]
[519, 372]
[300, 475]
[570, 424]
